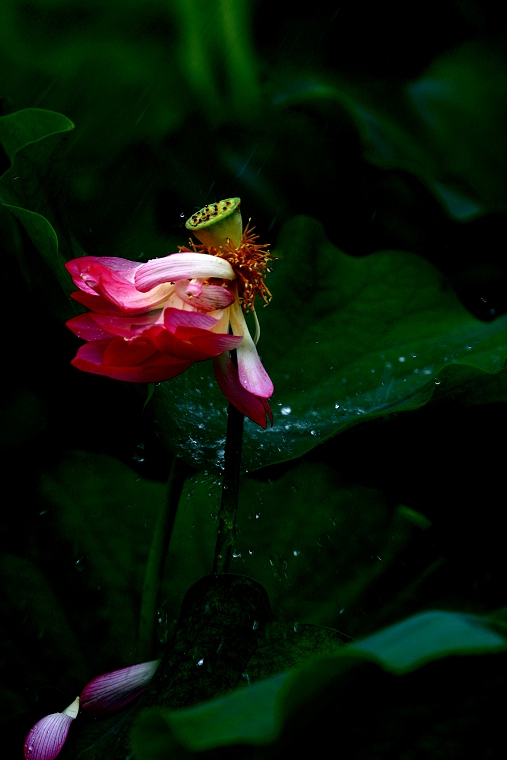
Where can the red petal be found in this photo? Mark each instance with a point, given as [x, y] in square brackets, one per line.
[156, 369]
[47, 737]
[251, 406]
[125, 353]
[111, 691]
[85, 327]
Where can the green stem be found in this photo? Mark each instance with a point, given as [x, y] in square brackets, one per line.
[226, 537]
[157, 559]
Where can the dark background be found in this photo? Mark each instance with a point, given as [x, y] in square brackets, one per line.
[170, 114]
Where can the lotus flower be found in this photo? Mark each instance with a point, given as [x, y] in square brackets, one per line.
[150, 322]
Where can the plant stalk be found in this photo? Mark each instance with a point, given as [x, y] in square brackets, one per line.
[226, 537]
[157, 558]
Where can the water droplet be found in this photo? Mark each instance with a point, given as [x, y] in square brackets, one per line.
[255, 625]
[285, 410]
[257, 516]
[296, 552]
[337, 406]
[44, 512]
[468, 348]
[236, 554]
[437, 380]
[401, 359]
[201, 662]
[389, 365]
[250, 551]
[313, 432]
[182, 214]
[79, 564]
[344, 379]
[296, 627]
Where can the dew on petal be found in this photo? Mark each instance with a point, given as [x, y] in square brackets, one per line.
[47, 737]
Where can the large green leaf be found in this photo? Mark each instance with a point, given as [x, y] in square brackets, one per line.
[256, 715]
[345, 340]
[446, 127]
[30, 189]
[105, 513]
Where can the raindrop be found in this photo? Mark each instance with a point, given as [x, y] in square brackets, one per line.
[79, 564]
[468, 348]
[250, 551]
[296, 552]
[236, 554]
[296, 627]
[389, 365]
[285, 410]
[337, 406]
[414, 356]
[344, 379]
[313, 432]
[44, 512]
[255, 625]
[401, 359]
[182, 214]
[201, 662]
[257, 516]
[437, 380]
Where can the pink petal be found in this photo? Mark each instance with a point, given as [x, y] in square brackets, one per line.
[181, 266]
[252, 375]
[211, 297]
[251, 406]
[86, 271]
[174, 318]
[113, 279]
[47, 737]
[156, 369]
[124, 294]
[111, 691]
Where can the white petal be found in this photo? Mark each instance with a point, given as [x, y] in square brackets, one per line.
[252, 375]
[181, 266]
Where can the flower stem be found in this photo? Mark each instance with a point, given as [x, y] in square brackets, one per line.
[226, 537]
[157, 558]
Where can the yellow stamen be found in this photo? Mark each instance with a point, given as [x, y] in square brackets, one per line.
[249, 261]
